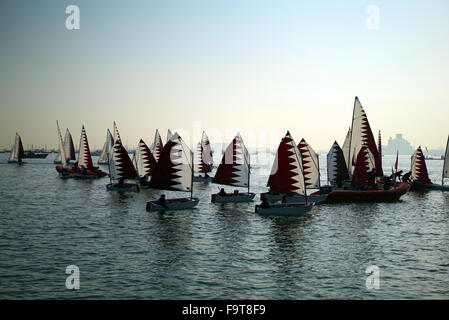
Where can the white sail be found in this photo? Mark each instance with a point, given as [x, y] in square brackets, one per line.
[346, 146]
[446, 161]
[203, 156]
[116, 133]
[17, 150]
[336, 165]
[310, 162]
[120, 165]
[84, 156]
[62, 150]
[169, 135]
[156, 147]
[107, 148]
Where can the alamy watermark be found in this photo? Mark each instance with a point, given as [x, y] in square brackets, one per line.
[72, 22]
[373, 19]
[73, 280]
[373, 280]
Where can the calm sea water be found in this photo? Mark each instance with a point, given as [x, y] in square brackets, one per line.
[213, 251]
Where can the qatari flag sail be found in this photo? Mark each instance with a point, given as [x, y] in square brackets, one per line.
[143, 160]
[310, 163]
[84, 156]
[234, 167]
[336, 165]
[157, 146]
[287, 172]
[361, 134]
[120, 165]
[419, 168]
[364, 163]
[174, 169]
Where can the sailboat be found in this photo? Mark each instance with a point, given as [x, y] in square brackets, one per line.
[311, 165]
[85, 168]
[287, 177]
[144, 163]
[234, 170]
[68, 146]
[203, 159]
[363, 180]
[63, 170]
[174, 171]
[157, 146]
[120, 169]
[420, 176]
[337, 171]
[17, 151]
[107, 148]
[446, 163]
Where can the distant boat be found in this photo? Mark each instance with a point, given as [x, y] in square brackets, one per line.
[287, 178]
[84, 168]
[34, 155]
[17, 151]
[420, 175]
[203, 159]
[234, 170]
[174, 171]
[68, 147]
[107, 148]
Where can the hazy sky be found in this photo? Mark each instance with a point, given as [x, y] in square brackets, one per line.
[262, 67]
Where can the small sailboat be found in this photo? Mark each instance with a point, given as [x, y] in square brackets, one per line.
[17, 151]
[446, 163]
[337, 172]
[144, 163]
[120, 169]
[157, 146]
[64, 170]
[107, 148]
[287, 177]
[311, 164]
[203, 160]
[363, 180]
[420, 175]
[234, 170]
[85, 168]
[68, 147]
[174, 171]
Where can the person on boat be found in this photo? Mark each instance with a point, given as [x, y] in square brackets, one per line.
[371, 177]
[162, 202]
[387, 183]
[206, 176]
[121, 183]
[265, 204]
[83, 170]
[222, 192]
[406, 177]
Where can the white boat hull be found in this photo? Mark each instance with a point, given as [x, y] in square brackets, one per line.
[233, 197]
[173, 204]
[434, 186]
[317, 198]
[128, 187]
[285, 209]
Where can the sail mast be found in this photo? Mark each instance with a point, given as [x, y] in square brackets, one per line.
[445, 163]
[350, 139]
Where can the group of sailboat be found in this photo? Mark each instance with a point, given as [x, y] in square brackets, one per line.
[83, 168]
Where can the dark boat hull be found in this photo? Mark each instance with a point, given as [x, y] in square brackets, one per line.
[369, 195]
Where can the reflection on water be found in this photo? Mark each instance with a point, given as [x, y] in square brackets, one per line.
[215, 251]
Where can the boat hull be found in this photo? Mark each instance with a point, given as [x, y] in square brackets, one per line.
[173, 204]
[317, 198]
[369, 195]
[233, 197]
[285, 209]
[200, 179]
[272, 197]
[127, 187]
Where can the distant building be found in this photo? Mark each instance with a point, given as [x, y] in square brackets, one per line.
[398, 144]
